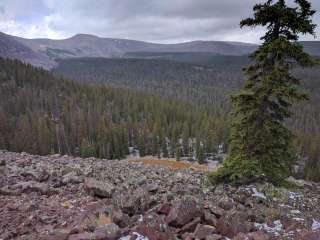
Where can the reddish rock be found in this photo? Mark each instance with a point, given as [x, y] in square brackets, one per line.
[154, 227]
[183, 211]
[259, 235]
[154, 234]
[234, 223]
[164, 208]
[81, 236]
[191, 226]
[188, 236]
[309, 236]
[202, 231]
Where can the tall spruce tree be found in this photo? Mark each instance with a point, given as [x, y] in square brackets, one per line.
[260, 143]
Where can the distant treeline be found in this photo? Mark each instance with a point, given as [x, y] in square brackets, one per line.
[41, 114]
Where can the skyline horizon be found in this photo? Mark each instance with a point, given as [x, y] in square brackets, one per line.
[155, 42]
[166, 21]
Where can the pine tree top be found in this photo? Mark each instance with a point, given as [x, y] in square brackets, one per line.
[282, 20]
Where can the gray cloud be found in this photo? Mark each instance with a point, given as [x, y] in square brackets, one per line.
[149, 20]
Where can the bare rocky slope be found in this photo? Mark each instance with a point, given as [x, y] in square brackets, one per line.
[61, 197]
[11, 48]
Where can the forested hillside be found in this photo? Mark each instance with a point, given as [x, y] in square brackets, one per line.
[191, 82]
[206, 85]
[41, 114]
[201, 58]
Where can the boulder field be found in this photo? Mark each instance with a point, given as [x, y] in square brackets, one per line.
[68, 198]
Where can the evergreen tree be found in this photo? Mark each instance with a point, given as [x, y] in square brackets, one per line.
[199, 152]
[312, 170]
[2, 142]
[44, 137]
[165, 152]
[260, 144]
[87, 149]
[142, 146]
[178, 153]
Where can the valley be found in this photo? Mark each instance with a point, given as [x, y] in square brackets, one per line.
[198, 74]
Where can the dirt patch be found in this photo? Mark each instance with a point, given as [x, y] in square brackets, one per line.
[176, 165]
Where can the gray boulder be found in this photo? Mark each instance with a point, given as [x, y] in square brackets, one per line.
[71, 177]
[99, 188]
[32, 186]
[107, 232]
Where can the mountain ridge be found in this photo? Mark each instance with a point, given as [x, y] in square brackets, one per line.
[86, 45]
[43, 52]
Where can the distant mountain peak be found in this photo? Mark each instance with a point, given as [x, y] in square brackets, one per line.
[83, 36]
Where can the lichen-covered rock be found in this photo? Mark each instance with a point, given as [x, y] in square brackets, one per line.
[137, 201]
[39, 175]
[72, 177]
[32, 186]
[107, 232]
[99, 188]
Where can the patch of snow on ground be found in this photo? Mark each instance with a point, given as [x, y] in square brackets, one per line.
[285, 206]
[315, 225]
[138, 237]
[294, 196]
[258, 194]
[298, 219]
[278, 227]
[295, 212]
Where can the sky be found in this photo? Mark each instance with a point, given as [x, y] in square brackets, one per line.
[163, 21]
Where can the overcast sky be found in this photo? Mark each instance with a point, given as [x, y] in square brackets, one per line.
[165, 21]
